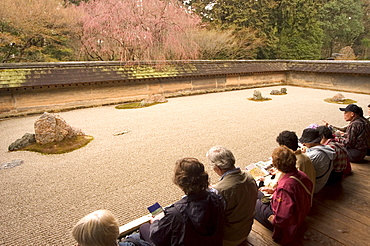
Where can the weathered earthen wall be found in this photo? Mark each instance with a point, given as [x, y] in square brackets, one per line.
[19, 101]
[34, 88]
[358, 83]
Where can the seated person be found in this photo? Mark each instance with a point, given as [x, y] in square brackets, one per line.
[197, 219]
[321, 156]
[100, 228]
[341, 164]
[239, 190]
[291, 200]
[304, 164]
[356, 136]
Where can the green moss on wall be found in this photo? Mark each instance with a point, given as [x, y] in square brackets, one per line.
[10, 78]
[149, 71]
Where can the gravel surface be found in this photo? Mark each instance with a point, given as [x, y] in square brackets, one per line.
[44, 197]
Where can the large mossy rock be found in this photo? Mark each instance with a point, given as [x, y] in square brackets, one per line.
[51, 128]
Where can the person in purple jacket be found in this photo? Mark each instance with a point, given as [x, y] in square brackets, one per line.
[290, 201]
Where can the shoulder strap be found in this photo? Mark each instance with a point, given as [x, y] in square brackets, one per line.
[305, 188]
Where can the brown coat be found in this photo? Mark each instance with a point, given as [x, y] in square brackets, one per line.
[239, 190]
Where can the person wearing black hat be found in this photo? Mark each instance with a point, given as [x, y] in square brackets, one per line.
[321, 156]
[357, 135]
[350, 108]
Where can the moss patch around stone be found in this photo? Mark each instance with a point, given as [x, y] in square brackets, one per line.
[259, 100]
[61, 147]
[134, 105]
[345, 101]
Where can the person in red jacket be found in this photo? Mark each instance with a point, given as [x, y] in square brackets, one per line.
[290, 201]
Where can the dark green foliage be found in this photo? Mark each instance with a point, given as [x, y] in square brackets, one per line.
[292, 29]
[37, 48]
[250, 29]
[37, 31]
[342, 23]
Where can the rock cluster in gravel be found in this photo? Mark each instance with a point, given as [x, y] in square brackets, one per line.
[282, 91]
[338, 97]
[157, 98]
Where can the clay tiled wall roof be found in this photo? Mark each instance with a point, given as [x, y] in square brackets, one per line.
[41, 74]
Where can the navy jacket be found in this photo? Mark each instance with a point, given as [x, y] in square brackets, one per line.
[196, 219]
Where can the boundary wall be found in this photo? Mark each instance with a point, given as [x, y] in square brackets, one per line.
[28, 88]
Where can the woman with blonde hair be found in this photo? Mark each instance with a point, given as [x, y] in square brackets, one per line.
[100, 228]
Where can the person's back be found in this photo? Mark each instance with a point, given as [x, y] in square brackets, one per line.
[196, 219]
[340, 161]
[322, 159]
[290, 201]
[286, 222]
[239, 190]
[341, 164]
[321, 156]
[205, 219]
[305, 165]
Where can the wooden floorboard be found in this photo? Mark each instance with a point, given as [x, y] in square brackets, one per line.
[260, 235]
[337, 226]
[340, 214]
[345, 201]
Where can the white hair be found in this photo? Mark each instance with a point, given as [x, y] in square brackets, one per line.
[221, 157]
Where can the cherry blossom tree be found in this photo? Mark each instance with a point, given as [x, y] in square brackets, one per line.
[130, 30]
